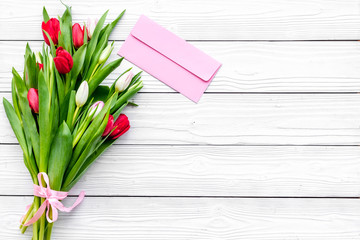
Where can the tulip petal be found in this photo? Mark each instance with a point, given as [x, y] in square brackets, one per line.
[122, 132]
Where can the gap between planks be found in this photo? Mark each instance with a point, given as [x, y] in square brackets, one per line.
[210, 197]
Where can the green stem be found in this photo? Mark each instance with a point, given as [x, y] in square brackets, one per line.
[35, 224]
[42, 224]
[75, 114]
[49, 228]
[29, 212]
[79, 133]
[27, 217]
[67, 83]
[93, 72]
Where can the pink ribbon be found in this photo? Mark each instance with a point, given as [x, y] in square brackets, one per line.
[52, 200]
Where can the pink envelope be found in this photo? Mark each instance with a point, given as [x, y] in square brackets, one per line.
[169, 58]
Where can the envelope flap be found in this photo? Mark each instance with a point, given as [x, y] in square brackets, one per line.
[175, 48]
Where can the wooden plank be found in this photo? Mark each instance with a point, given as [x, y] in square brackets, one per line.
[200, 19]
[247, 66]
[237, 119]
[206, 171]
[195, 218]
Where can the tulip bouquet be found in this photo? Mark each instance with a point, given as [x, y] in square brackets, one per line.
[61, 115]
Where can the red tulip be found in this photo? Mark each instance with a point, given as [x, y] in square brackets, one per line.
[63, 60]
[41, 66]
[52, 27]
[109, 126]
[78, 35]
[120, 126]
[33, 98]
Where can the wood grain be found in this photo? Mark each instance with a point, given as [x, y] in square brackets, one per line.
[211, 170]
[200, 19]
[195, 218]
[237, 119]
[206, 171]
[247, 66]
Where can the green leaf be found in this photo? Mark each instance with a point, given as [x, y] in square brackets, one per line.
[66, 30]
[117, 113]
[15, 98]
[52, 46]
[94, 41]
[16, 125]
[128, 94]
[27, 49]
[85, 109]
[45, 15]
[101, 93]
[109, 27]
[45, 123]
[30, 127]
[31, 71]
[78, 58]
[88, 162]
[64, 108]
[54, 113]
[113, 23]
[95, 58]
[90, 147]
[133, 104]
[60, 155]
[85, 39]
[90, 132]
[102, 74]
[101, 45]
[60, 90]
[71, 109]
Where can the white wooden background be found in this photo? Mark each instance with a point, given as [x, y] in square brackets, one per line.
[270, 152]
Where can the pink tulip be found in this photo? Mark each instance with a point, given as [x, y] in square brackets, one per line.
[120, 127]
[33, 98]
[63, 61]
[52, 27]
[96, 108]
[78, 35]
[109, 126]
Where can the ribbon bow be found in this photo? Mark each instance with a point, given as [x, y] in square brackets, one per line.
[52, 200]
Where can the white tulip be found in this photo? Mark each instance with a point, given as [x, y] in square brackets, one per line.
[96, 107]
[105, 53]
[37, 57]
[124, 81]
[82, 94]
[90, 26]
[51, 62]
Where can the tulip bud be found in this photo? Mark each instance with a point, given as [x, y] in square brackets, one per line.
[38, 61]
[40, 65]
[38, 57]
[96, 107]
[109, 126]
[33, 98]
[105, 54]
[52, 27]
[63, 61]
[78, 35]
[120, 126]
[82, 94]
[90, 27]
[51, 61]
[124, 81]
